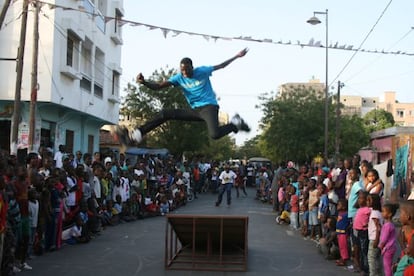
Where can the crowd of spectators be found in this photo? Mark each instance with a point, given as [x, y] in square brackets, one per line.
[65, 198]
[342, 209]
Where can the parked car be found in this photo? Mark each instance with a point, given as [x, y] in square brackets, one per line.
[260, 162]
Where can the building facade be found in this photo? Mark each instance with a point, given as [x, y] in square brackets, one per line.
[313, 85]
[403, 113]
[79, 73]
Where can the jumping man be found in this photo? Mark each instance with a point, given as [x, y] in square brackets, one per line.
[197, 89]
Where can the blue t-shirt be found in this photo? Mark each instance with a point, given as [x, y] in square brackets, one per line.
[342, 223]
[197, 90]
[353, 198]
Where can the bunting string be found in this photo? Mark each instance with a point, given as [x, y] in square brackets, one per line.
[174, 33]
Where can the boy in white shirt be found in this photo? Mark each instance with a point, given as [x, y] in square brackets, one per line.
[73, 234]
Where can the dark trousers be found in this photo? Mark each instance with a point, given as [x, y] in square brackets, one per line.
[360, 239]
[208, 114]
[225, 188]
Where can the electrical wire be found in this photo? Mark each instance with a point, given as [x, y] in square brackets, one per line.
[176, 32]
[362, 43]
[379, 57]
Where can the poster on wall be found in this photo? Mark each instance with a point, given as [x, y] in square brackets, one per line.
[23, 136]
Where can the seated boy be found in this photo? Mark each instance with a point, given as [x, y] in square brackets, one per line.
[73, 234]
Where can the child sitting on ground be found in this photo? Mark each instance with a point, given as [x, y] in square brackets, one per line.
[284, 218]
[328, 244]
[107, 213]
[73, 234]
[117, 210]
[134, 207]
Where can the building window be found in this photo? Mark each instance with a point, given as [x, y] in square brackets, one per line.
[88, 5]
[86, 58]
[90, 143]
[99, 73]
[115, 83]
[72, 51]
[100, 21]
[400, 113]
[118, 21]
[86, 84]
[98, 90]
[69, 140]
[86, 65]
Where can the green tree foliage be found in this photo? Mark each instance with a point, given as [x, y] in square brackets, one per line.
[221, 149]
[142, 104]
[378, 119]
[353, 135]
[249, 149]
[293, 127]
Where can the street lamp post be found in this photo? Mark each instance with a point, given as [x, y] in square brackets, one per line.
[314, 21]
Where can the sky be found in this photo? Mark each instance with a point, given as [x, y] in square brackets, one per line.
[373, 25]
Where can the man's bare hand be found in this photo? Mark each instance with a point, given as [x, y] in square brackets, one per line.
[140, 78]
[243, 52]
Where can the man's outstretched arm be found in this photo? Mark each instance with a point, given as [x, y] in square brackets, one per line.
[240, 54]
[152, 85]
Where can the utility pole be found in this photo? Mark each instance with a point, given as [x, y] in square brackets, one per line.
[4, 11]
[19, 75]
[34, 84]
[338, 120]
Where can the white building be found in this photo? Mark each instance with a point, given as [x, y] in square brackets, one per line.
[78, 72]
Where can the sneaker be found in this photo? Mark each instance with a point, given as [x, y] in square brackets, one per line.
[122, 135]
[16, 269]
[126, 138]
[26, 266]
[350, 267]
[217, 204]
[136, 135]
[278, 219]
[240, 123]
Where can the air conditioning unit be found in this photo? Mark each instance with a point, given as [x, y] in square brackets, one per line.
[113, 99]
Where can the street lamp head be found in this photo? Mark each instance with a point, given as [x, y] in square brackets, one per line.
[313, 20]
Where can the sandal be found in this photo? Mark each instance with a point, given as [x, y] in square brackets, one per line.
[340, 263]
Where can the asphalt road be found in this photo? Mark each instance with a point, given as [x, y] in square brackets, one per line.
[137, 248]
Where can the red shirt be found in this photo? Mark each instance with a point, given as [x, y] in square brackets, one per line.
[79, 191]
[3, 213]
[294, 203]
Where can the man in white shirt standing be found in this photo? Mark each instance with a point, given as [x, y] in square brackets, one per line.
[58, 158]
[227, 178]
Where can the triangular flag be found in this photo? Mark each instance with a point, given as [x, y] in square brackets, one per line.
[176, 33]
[165, 32]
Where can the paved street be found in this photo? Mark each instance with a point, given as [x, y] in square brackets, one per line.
[137, 248]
